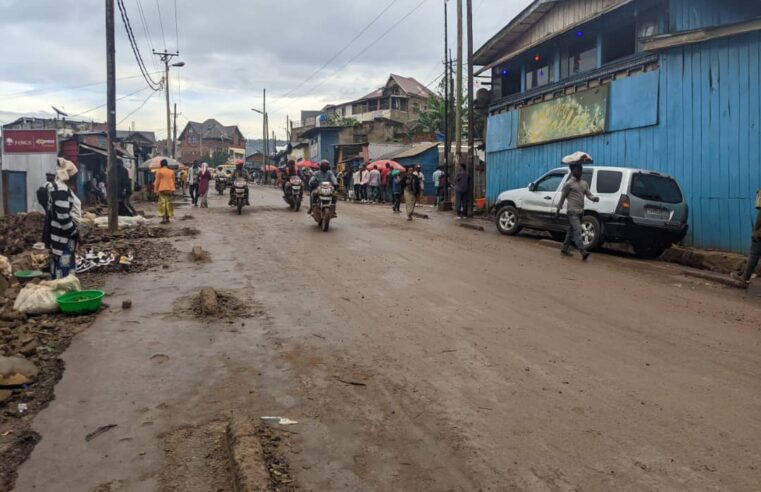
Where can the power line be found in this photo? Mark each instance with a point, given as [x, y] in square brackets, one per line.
[362, 52]
[147, 31]
[340, 52]
[139, 107]
[135, 50]
[69, 88]
[161, 23]
[176, 29]
[102, 105]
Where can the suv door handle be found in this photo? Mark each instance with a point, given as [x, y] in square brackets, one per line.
[548, 198]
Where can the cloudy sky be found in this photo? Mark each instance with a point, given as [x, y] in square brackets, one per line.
[53, 53]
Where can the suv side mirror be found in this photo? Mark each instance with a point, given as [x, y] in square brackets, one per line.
[531, 186]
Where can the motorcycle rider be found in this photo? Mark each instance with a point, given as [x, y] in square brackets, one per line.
[288, 172]
[322, 175]
[239, 172]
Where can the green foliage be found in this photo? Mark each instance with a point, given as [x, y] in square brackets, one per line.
[217, 158]
[337, 120]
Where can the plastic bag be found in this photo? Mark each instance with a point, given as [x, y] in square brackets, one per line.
[41, 298]
[123, 221]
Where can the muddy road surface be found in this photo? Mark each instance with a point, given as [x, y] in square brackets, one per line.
[414, 356]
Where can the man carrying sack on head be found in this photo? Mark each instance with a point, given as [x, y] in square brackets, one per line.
[755, 248]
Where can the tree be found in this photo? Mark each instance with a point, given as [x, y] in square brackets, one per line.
[217, 158]
[432, 119]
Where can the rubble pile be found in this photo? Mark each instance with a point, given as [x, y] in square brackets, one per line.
[19, 232]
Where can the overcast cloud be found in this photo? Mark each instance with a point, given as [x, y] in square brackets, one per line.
[232, 49]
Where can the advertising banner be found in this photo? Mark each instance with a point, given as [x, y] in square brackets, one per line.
[30, 142]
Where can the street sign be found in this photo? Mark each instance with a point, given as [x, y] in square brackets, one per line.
[30, 142]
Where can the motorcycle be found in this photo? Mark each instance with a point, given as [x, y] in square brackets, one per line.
[239, 194]
[220, 184]
[323, 208]
[294, 193]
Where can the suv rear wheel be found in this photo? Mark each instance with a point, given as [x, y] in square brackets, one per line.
[507, 220]
[591, 232]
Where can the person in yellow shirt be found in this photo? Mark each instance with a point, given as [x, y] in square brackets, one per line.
[164, 186]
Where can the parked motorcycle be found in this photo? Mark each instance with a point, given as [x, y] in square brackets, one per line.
[323, 208]
[220, 184]
[294, 193]
[239, 194]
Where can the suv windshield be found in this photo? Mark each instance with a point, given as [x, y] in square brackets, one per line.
[655, 188]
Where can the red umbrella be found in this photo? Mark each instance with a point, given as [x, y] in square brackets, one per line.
[309, 164]
[155, 163]
[238, 161]
[382, 165]
[269, 168]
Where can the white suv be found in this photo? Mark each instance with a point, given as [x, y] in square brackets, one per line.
[643, 208]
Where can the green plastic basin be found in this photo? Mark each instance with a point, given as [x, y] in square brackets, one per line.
[26, 274]
[80, 302]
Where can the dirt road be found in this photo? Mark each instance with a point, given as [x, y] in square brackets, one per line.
[415, 356]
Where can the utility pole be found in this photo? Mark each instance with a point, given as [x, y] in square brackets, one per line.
[174, 135]
[446, 204]
[166, 57]
[458, 89]
[113, 211]
[264, 136]
[471, 100]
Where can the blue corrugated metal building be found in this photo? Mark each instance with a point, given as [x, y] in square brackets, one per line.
[667, 85]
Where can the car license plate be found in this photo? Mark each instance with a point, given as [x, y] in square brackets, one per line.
[657, 213]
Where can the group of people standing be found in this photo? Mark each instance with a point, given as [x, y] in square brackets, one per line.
[372, 184]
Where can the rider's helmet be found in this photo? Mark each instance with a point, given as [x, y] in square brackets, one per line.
[324, 166]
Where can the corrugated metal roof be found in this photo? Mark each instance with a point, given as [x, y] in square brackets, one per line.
[415, 150]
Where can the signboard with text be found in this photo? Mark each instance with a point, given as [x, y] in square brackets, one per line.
[30, 142]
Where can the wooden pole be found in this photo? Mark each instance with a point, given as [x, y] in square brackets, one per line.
[471, 100]
[264, 136]
[174, 133]
[458, 89]
[447, 125]
[165, 58]
[113, 210]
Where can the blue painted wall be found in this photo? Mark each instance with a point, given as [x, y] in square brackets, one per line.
[685, 15]
[707, 136]
[429, 161]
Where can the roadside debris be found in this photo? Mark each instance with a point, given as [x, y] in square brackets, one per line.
[208, 301]
[352, 383]
[199, 255]
[100, 430]
[127, 304]
[17, 371]
[278, 420]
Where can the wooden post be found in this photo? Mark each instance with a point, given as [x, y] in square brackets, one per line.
[471, 100]
[174, 135]
[458, 89]
[113, 209]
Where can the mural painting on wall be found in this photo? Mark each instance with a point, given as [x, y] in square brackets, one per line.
[575, 115]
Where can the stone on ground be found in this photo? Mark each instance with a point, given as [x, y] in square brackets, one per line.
[209, 301]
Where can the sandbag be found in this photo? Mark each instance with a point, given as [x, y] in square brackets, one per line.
[40, 298]
[124, 221]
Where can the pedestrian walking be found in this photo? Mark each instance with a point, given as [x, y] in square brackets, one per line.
[411, 185]
[356, 178]
[755, 248]
[124, 190]
[43, 198]
[204, 178]
[65, 216]
[574, 190]
[364, 178]
[385, 189]
[396, 190]
[165, 188]
[374, 182]
[193, 183]
[461, 185]
[438, 183]
[346, 179]
[420, 177]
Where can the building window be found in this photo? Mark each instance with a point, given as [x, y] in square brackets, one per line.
[538, 71]
[619, 42]
[511, 81]
[384, 103]
[648, 25]
[372, 105]
[582, 55]
[415, 108]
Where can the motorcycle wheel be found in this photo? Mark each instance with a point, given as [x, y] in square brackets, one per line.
[240, 207]
[325, 224]
[298, 205]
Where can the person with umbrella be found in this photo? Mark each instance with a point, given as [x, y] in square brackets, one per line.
[164, 186]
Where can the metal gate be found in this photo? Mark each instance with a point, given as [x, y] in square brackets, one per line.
[14, 193]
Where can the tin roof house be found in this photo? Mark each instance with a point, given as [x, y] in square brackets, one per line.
[666, 85]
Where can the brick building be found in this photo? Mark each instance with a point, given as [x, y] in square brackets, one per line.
[199, 140]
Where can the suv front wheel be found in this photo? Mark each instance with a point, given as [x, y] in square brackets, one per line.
[507, 220]
[591, 232]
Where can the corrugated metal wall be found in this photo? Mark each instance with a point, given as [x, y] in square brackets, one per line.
[708, 136]
[429, 161]
[686, 15]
